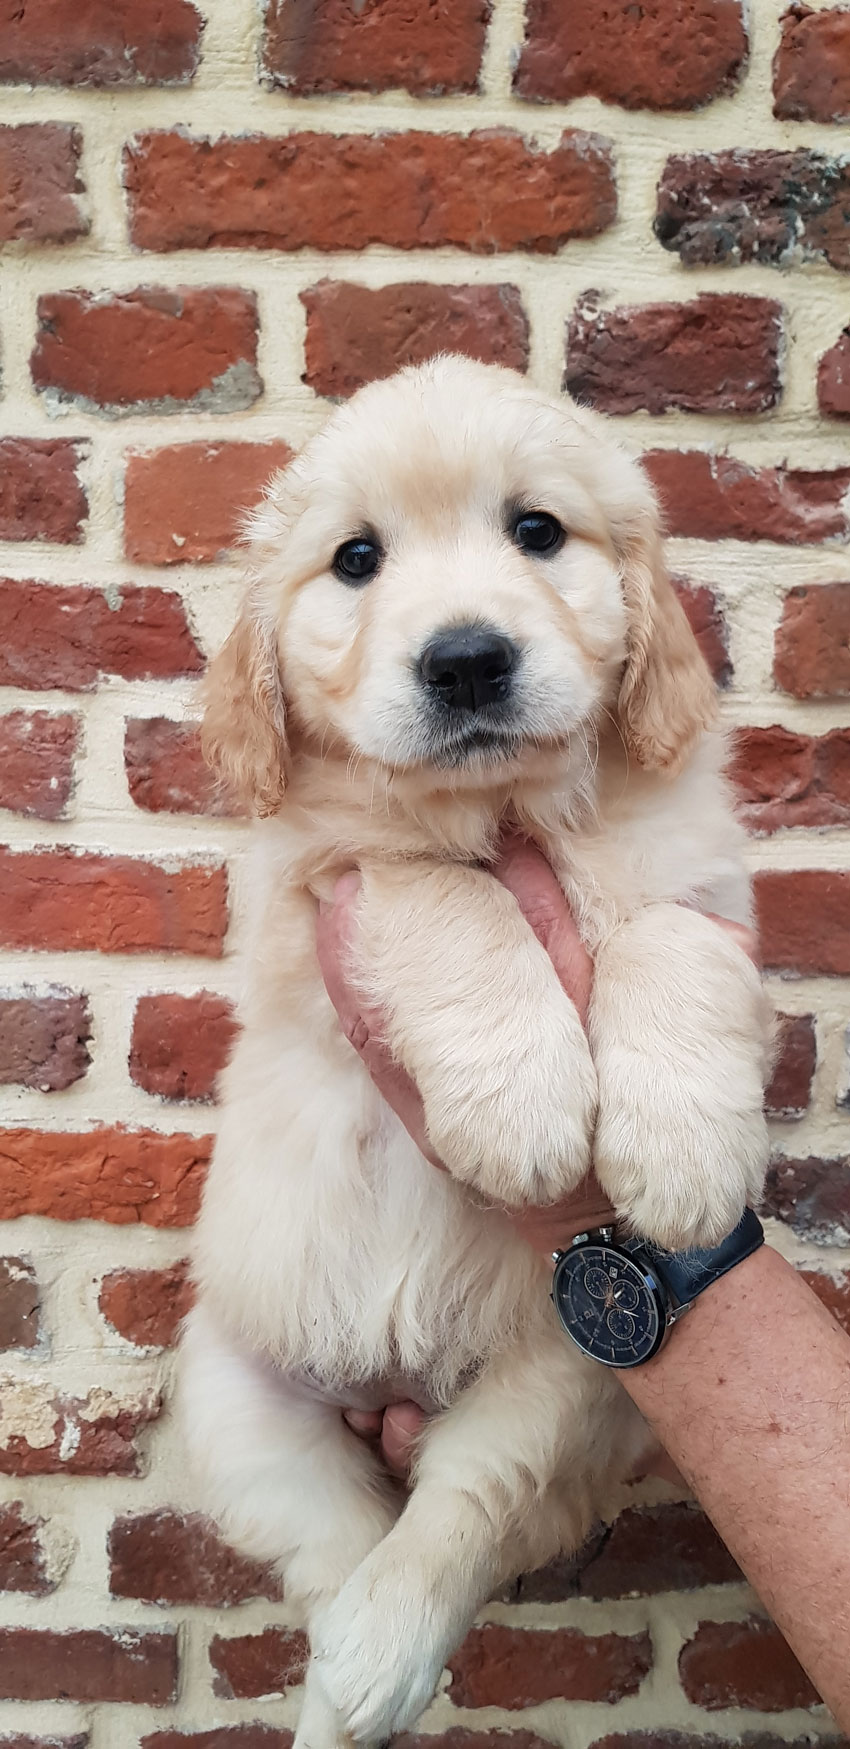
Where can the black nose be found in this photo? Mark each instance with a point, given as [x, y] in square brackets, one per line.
[468, 667]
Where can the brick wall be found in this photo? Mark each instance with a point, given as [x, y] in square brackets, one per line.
[212, 225]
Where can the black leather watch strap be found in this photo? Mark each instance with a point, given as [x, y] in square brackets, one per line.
[686, 1274]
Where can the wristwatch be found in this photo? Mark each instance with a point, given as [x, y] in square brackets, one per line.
[618, 1297]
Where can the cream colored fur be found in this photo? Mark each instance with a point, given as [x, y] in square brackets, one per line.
[334, 1265]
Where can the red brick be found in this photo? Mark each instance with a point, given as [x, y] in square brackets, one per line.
[834, 379]
[185, 504]
[16, 1741]
[812, 651]
[157, 350]
[457, 1737]
[811, 67]
[87, 1664]
[356, 333]
[37, 752]
[58, 635]
[519, 1667]
[20, 1304]
[147, 1306]
[671, 1739]
[99, 42]
[790, 1091]
[88, 1436]
[747, 1664]
[67, 901]
[428, 47]
[708, 623]
[833, 1292]
[663, 54]
[811, 1196]
[23, 1557]
[648, 1549]
[179, 1558]
[251, 1666]
[346, 191]
[785, 779]
[717, 353]
[40, 183]
[115, 1175]
[167, 772]
[717, 497]
[771, 207]
[221, 1737]
[44, 1040]
[804, 920]
[180, 1044]
[40, 493]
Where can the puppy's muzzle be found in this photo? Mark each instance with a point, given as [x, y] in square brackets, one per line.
[468, 668]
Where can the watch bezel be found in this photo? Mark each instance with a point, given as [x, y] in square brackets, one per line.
[638, 1260]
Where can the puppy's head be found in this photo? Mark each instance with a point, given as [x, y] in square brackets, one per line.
[456, 572]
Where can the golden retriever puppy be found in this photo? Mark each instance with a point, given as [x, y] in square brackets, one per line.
[457, 620]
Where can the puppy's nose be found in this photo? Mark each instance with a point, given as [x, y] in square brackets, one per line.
[468, 667]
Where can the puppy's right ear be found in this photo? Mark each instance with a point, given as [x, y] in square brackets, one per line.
[243, 733]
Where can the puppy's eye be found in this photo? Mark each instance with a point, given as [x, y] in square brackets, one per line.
[538, 532]
[357, 560]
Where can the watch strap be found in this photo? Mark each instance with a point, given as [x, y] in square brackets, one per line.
[686, 1274]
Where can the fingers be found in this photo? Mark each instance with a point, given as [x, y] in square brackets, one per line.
[526, 873]
[403, 1423]
[746, 938]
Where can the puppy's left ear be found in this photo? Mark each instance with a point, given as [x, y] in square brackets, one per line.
[243, 733]
[667, 695]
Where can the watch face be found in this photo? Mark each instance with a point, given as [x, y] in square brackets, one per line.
[610, 1305]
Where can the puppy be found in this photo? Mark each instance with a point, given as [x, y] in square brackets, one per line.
[457, 620]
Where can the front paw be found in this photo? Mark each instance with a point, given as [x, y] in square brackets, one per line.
[379, 1650]
[519, 1125]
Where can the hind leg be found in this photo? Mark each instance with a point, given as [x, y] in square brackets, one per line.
[286, 1480]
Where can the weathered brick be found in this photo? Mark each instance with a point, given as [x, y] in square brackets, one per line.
[221, 1737]
[458, 1737]
[834, 379]
[790, 1090]
[356, 332]
[115, 1175]
[19, 1741]
[249, 1666]
[170, 1557]
[663, 54]
[811, 1196]
[37, 754]
[44, 1039]
[346, 191]
[811, 67]
[24, 1563]
[180, 1044]
[68, 635]
[147, 1306]
[803, 920]
[159, 349]
[672, 1739]
[833, 1292]
[717, 353]
[40, 183]
[746, 1663]
[65, 901]
[718, 497]
[708, 624]
[185, 504]
[40, 493]
[427, 47]
[648, 1549]
[519, 1667]
[167, 772]
[103, 42]
[20, 1304]
[44, 1433]
[88, 1664]
[785, 779]
[772, 207]
[812, 651]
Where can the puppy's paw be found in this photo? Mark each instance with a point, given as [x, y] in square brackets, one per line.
[519, 1126]
[379, 1650]
[679, 1170]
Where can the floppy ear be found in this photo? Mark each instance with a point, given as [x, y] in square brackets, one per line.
[243, 732]
[667, 695]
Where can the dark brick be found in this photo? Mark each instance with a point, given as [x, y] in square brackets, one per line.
[23, 1560]
[41, 498]
[834, 379]
[519, 1667]
[771, 207]
[20, 1304]
[717, 353]
[648, 1549]
[44, 1040]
